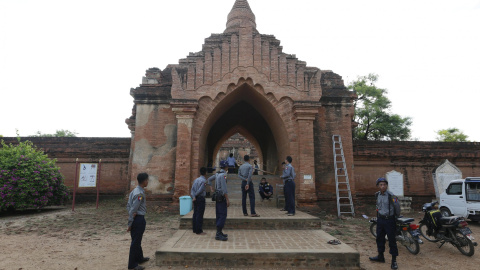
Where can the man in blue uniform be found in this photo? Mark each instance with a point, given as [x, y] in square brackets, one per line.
[231, 163]
[222, 202]
[288, 177]
[388, 210]
[198, 197]
[245, 173]
[265, 189]
[137, 208]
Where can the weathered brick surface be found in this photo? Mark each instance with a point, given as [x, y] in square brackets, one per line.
[114, 153]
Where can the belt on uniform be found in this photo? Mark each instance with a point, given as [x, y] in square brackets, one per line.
[385, 217]
[200, 196]
[289, 180]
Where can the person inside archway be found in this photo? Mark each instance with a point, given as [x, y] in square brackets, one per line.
[265, 189]
[231, 163]
[255, 165]
[245, 173]
[288, 176]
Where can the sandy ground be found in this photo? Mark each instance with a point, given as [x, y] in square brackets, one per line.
[92, 238]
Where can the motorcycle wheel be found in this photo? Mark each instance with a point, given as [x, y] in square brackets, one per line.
[373, 229]
[423, 230]
[410, 243]
[466, 245]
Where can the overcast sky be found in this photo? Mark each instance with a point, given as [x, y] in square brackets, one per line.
[70, 64]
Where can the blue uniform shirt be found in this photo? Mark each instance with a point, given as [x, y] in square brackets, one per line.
[136, 204]
[198, 187]
[288, 173]
[245, 172]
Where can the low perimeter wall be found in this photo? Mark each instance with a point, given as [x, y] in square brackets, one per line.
[114, 153]
[415, 160]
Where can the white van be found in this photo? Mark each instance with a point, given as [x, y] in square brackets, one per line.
[462, 198]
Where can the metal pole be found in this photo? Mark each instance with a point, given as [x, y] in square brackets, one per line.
[98, 180]
[75, 184]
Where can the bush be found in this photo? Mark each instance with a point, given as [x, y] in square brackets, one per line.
[28, 178]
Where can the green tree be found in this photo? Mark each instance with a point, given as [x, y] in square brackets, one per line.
[451, 135]
[375, 121]
[58, 133]
[28, 178]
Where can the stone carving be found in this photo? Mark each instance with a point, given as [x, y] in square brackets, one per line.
[442, 176]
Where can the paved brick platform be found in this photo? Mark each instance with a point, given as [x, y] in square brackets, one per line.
[307, 249]
[270, 219]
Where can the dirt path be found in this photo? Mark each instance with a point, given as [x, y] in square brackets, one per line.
[96, 239]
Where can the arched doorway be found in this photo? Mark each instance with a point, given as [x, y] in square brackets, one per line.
[248, 109]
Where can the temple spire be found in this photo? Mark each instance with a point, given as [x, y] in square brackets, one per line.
[240, 16]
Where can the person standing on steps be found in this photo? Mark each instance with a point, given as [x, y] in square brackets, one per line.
[288, 177]
[255, 166]
[245, 173]
[198, 198]
[388, 210]
[137, 208]
[231, 163]
[221, 202]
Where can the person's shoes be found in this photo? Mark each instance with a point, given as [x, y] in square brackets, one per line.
[245, 214]
[291, 214]
[225, 235]
[394, 265]
[139, 267]
[145, 259]
[202, 233]
[220, 237]
[378, 258]
[255, 215]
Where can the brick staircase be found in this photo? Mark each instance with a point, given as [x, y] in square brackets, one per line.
[273, 240]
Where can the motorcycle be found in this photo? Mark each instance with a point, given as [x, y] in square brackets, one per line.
[434, 227]
[407, 233]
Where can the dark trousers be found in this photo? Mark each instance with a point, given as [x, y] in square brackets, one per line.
[289, 189]
[198, 211]
[264, 196]
[386, 227]
[136, 252]
[221, 213]
[251, 196]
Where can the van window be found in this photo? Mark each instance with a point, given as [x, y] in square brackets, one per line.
[455, 189]
[473, 192]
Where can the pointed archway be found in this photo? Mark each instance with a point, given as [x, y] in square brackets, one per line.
[248, 109]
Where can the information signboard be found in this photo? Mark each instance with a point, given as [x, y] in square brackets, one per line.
[88, 175]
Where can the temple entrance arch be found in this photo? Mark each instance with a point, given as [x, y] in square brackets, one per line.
[246, 134]
[247, 109]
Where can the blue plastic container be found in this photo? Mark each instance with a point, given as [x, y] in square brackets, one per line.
[185, 205]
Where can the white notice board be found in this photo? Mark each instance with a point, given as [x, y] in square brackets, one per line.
[88, 175]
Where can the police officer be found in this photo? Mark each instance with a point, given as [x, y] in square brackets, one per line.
[265, 189]
[137, 208]
[222, 201]
[245, 173]
[198, 197]
[288, 176]
[388, 210]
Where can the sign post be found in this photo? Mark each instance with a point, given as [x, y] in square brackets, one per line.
[87, 177]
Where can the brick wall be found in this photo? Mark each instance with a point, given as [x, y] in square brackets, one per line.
[114, 153]
[415, 160]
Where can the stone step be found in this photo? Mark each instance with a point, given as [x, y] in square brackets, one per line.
[270, 219]
[302, 249]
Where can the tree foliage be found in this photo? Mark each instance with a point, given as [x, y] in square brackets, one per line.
[28, 178]
[375, 121]
[451, 135]
[58, 133]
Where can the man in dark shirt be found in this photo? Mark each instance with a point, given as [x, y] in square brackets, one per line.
[265, 189]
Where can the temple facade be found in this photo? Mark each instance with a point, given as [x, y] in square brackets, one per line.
[240, 82]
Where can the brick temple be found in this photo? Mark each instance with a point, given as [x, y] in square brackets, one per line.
[240, 82]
